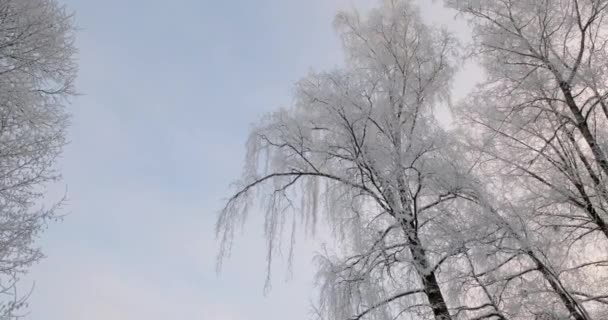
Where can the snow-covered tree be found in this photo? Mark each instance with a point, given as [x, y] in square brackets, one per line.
[37, 71]
[363, 141]
[538, 125]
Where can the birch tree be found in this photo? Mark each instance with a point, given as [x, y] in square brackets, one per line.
[363, 141]
[37, 71]
[539, 126]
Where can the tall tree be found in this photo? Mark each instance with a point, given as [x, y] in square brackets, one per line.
[539, 126]
[364, 139]
[37, 71]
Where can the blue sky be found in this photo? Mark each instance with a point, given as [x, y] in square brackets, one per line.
[169, 91]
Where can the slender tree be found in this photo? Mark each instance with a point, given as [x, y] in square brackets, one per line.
[364, 140]
[538, 125]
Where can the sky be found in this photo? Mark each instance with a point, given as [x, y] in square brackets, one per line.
[169, 90]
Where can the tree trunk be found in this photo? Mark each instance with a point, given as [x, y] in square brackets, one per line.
[427, 275]
[583, 127]
[574, 308]
[432, 290]
[589, 207]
